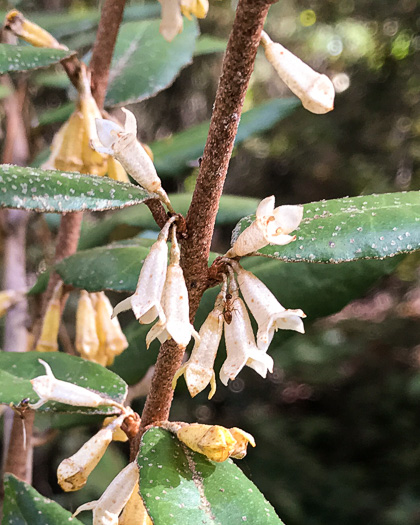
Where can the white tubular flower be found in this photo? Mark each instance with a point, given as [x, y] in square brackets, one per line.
[123, 145]
[73, 472]
[146, 300]
[109, 506]
[198, 370]
[49, 388]
[268, 312]
[316, 91]
[240, 342]
[271, 226]
[175, 305]
[171, 24]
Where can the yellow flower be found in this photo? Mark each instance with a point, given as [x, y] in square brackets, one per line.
[135, 512]
[197, 8]
[48, 340]
[87, 341]
[32, 33]
[214, 441]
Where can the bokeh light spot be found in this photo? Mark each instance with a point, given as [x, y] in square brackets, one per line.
[307, 18]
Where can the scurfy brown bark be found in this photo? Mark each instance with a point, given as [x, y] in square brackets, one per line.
[109, 24]
[238, 65]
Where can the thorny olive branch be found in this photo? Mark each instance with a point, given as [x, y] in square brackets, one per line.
[237, 67]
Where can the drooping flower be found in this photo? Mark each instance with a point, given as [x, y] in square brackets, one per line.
[49, 388]
[30, 32]
[171, 24]
[73, 472]
[87, 341]
[135, 512]
[198, 370]
[176, 323]
[109, 506]
[240, 342]
[112, 341]
[123, 145]
[146, 301]
[271, 226]
[48, 340]
[316, 91]
[214, 441]
[268, 312]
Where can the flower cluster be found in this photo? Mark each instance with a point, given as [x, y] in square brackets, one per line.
[161, 292]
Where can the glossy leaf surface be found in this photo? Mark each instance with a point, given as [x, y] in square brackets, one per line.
[23, 505]
[172, 155]
[61, 192]
[23, 58]
[182, 486]
[352, 228]
[17, 369]
[144, 63]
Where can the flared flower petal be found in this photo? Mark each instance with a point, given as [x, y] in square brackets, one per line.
[267, 311]
[316, 91]
[171, 23]
[198, 8]
[198, 370]
[271, 226]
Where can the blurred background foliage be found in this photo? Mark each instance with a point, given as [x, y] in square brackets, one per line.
[337, 423]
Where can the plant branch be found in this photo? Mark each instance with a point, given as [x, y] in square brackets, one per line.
[237, 68]
[111, 17]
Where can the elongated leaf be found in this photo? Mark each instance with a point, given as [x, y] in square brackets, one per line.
[113, 267]
[23, 505]
[348, 229]
[62, 192]
[17, 369]
[171, 156]
[181, 486]
[207, 44]
[144, 63]
[52, 116]
[22, 58]
[231, 209]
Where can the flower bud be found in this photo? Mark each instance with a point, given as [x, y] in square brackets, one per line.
[216, 442]
[47, 341]
[109, 506]
[316, 91]
[32, 33]
[73, 472]
[49, 388]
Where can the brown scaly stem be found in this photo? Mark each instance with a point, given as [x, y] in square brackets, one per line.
[237, 68]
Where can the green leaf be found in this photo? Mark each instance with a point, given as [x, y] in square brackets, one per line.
[231, 209]
[180, 486]
[114, 267]
[17, 369]
[23, 505]
[207, 44]
[144, 63]
[351, 228]
[22, 58]
[171, 155]
[62, 192]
